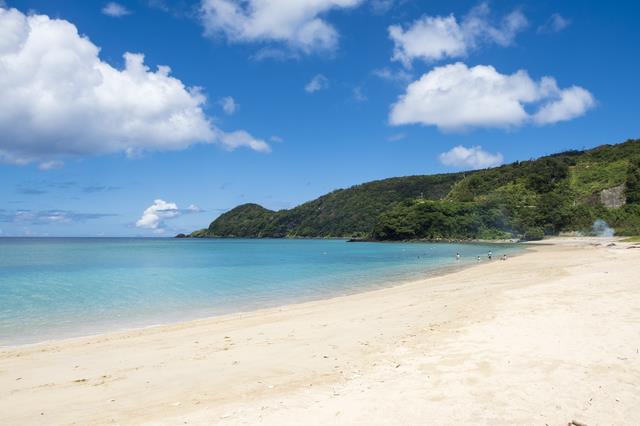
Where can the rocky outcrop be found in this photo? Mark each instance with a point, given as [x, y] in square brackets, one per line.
[613, 198]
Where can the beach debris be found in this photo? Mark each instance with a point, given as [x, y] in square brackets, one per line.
[576, 423]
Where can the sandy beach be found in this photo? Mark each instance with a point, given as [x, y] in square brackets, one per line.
[547, 337]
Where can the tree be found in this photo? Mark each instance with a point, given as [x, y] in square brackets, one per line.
[545, 173]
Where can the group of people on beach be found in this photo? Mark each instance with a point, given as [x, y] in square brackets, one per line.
[489, 256]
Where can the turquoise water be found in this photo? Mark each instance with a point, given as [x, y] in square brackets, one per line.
[63, 287]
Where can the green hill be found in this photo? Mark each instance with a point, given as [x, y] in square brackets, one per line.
[561, 192]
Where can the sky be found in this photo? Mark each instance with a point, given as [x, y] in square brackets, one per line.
[153, 117]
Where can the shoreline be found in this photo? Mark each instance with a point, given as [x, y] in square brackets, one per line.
[433, 348]
[407, 279]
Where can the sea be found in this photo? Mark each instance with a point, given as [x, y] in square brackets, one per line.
[55, 288]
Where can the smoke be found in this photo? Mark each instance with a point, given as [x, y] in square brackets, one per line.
[600, 228]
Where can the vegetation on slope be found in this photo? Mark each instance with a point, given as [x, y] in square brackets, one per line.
[529, 199]
[342, 213]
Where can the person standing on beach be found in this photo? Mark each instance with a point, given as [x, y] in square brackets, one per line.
[478, 258]
[490, 255]
[457, 256]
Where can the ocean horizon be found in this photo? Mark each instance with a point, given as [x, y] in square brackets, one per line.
[54, 288]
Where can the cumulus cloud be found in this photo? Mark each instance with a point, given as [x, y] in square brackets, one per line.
[554, 24]
[115, 10]
[572, 102]
[474, 157]
[229, 105]
[317, 83]
[154, 216]
[432, 38]
[455, 97]
[297, 24]
[60, 99]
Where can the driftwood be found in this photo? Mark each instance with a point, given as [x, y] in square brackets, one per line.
[576, 423]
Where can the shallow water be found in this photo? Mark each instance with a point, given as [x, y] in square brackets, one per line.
[64, 287]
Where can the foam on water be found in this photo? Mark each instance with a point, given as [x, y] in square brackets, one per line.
[55, 288]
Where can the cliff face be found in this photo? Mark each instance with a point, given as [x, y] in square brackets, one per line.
[613, 198]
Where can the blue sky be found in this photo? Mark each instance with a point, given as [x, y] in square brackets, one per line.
[282, 102]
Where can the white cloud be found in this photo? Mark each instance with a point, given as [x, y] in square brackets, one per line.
[240, 138]
[297, 24]
[60, 99]
[432, 38]
[318, 82]
[554, 24]
[115, 10]
[388, 74]
[474, 157]
[572, 102]
[229, 105]
[455, 97]
[155, 215]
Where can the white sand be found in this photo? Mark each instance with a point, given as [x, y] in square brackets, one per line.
[543, 338]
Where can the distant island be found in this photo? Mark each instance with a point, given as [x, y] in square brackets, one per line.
[563, 192]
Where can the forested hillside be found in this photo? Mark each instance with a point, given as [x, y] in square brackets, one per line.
[529, 199]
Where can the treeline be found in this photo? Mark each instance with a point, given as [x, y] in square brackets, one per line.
[528, 199]
[341, 213]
